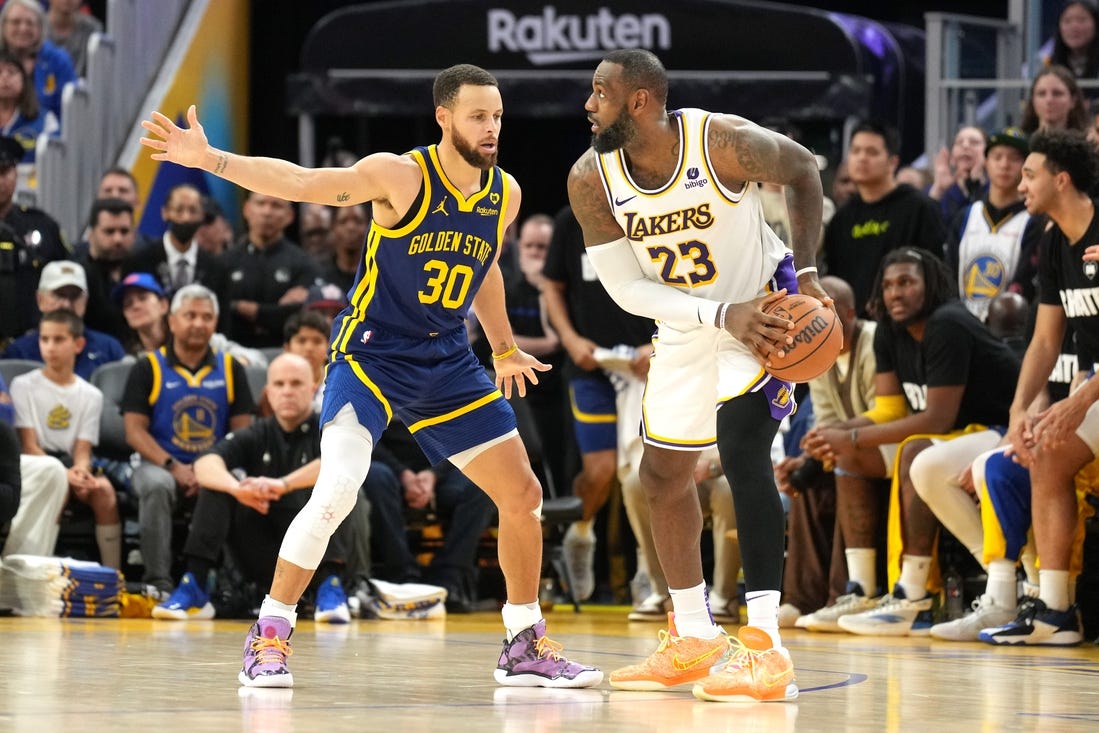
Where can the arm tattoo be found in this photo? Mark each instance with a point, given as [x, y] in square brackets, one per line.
[589, 202]
[748, 155]
[223, 161]
[343, 197]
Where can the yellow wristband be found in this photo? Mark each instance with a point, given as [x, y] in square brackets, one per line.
[506, 354]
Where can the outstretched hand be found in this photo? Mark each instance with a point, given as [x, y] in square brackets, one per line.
[518, 369]
[173, 143]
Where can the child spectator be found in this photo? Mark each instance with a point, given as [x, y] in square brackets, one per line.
[57, 413]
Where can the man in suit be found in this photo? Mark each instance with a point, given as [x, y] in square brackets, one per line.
[177, 260]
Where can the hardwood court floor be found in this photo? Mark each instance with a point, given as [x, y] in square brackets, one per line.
[432, 676]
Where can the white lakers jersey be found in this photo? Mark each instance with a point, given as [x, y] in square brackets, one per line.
[988, 255]
[693, 233]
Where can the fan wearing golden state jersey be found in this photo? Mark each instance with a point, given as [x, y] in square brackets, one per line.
[401, 348]
[993, 243]
[675, 231]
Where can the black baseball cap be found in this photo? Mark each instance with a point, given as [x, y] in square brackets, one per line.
[1012, 137]
[11, 152]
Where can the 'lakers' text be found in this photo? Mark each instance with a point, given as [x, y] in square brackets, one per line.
[451, 241]
[639, 227]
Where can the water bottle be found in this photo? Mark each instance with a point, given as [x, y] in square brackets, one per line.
[953, 608]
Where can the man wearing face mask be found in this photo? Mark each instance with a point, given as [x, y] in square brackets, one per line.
[178, 260]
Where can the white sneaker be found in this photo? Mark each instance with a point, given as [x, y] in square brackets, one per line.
[724, 610]
[788, 615]
[827, 618]
[579, 557]
[985, 614]
[894, 615]
[653, 608]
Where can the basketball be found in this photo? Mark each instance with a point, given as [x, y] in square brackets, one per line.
[817, 334]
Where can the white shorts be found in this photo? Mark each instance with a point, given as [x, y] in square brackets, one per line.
[694, 372]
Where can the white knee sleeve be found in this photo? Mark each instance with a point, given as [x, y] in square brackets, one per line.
[345, 460]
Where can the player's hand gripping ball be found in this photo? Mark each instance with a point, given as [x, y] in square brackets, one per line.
[818, 338]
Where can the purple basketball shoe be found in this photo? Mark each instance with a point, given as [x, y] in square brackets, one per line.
[265, 651]
[531, 659]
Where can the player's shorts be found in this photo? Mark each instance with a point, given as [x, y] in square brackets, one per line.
[594, 412]
[435, 386]
[693, 372]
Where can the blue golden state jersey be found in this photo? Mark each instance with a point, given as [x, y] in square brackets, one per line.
[419, 278]
[190, 412]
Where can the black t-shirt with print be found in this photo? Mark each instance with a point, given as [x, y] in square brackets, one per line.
[1066, 281]
[957, 349]
[861, 234]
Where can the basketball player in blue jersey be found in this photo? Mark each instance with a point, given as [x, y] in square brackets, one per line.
[674, 228]
[400, 347]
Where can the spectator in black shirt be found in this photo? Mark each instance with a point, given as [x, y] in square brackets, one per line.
[349, 225]
[111, 236]
[268, 277]
[880, 216]
[254, 482]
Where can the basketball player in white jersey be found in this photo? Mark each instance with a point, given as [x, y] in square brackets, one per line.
[674, 228]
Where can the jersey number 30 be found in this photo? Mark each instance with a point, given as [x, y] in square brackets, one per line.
[447, 282]
[697, 257]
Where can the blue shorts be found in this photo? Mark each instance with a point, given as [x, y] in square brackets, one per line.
[594, 412]
[435, 386]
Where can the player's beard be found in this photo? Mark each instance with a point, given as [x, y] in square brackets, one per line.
[617, 135]
[471, 154]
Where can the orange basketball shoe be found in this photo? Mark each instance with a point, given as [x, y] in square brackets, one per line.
[677, 661]
[755, 672]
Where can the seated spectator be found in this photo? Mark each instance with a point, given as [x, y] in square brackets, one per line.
[307, 334]
[939, 371]
[268, 277]
[57, 415]
[959, 174]
[145, 308]
[327, 300]
[993, 243]
[1075, 45]
[39, 487]
[216, 234]
[177, 260]
[20, 118]
[464, 510]
[112, 233]
[253, 483]
[349, 225]
[70, 28]
[1055, 102]
[23, 33]
[64, 286]
[178, 402]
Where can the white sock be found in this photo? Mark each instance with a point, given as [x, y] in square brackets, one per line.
[862, 568]
[1002, 585]
[914, 572]
[1053, 589]
[584, 528]
[692, 612]
[271, 607]
[763, 612]
[109, 539]
[520, 616]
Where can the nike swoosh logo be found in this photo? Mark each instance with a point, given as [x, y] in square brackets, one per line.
[683, 666]
[623, 202]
